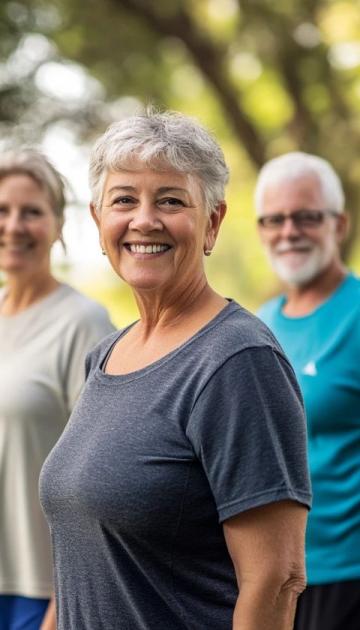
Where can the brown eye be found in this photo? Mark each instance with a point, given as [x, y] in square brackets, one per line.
[33, 211]
[123, 201]
[171, 203]
[309, 217]
[272, 220]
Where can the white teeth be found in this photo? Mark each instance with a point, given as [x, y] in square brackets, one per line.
[147, 249]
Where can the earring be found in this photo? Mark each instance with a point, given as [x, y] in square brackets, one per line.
[103, 252]
[61, 239]
[207, 252]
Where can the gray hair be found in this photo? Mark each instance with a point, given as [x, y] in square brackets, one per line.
[160, 140]
[31, 162]
[293, 166]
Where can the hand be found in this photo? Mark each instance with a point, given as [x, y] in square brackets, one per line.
[49, 621]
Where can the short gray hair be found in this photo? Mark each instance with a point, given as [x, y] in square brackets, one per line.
[160, 140]
[294, 165]
[31, 162]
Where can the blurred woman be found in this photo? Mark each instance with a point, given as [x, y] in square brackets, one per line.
[177, 495]
[46, 328]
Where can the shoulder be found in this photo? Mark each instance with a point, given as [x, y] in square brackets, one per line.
[239, 330]
[79, 304]
[234, 332]
[341, 310]
[270, 309]
[344, 310]
[80, 312]
[353, 288]
[236, 339]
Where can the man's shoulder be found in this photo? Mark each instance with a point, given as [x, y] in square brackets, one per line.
[352, 287]
[270, 309]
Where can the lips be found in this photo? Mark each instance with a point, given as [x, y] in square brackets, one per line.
[16, 247]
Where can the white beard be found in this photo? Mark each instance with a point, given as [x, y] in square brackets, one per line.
[310, 264]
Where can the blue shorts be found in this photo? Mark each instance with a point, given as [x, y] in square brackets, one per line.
[21, 613]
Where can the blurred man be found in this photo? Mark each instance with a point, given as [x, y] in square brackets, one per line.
[301, 220]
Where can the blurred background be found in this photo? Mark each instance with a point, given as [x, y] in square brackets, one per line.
[267, 77]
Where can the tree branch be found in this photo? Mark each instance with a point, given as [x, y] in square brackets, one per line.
[210, 58]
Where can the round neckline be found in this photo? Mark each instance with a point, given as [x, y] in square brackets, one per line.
[137, 374]
[288, 318]
[34, 306]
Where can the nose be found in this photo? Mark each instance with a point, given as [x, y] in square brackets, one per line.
[12, 222]
[146, 218]
[289, 229]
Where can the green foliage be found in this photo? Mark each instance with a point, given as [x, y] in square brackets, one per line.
[266, 76]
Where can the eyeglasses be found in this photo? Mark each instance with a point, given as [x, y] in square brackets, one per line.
[302, 219]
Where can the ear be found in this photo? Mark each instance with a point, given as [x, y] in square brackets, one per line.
[59, 235]
[214, 222]
[94, 214]
[342, 226]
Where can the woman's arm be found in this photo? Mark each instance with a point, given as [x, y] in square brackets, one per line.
[266, 545]
[49, 621]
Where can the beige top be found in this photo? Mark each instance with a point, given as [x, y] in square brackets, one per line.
[42, 351]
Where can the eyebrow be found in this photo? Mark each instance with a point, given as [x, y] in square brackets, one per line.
[163, 189]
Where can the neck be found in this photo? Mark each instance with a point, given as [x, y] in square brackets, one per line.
[157, 313]
[302, 300]
[22, 291]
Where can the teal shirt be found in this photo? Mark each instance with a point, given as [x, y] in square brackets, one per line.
[324, 349]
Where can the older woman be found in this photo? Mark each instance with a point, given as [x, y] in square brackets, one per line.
[177, 496]
[46, 328]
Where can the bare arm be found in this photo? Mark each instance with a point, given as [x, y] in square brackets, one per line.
[49, 621]
[266, 545]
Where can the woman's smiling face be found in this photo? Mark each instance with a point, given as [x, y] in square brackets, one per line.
[154, 227]
[28, 226]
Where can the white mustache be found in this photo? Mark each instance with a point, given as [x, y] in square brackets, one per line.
[286, 246]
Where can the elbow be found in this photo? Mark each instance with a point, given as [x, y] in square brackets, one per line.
[283, 584]
[287, 586]
[294, 583]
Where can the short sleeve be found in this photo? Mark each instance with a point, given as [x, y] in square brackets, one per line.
[248, 430]
[86, 334]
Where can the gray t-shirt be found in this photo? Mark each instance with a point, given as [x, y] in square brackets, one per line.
[150, 465]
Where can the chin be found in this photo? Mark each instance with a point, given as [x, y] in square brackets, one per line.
[301, 275]
[304, 272]
[13, 267]
[144, 283]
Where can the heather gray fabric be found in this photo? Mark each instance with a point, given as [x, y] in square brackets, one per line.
[152, 462]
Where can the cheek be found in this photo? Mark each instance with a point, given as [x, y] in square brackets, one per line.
[47, 233]
[268, 241]
[195, 229]
[330, 243]
[112, 227]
